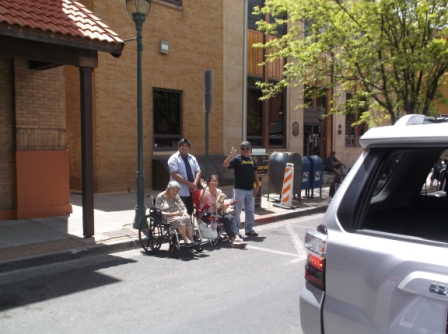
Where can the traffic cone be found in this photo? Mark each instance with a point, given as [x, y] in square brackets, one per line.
[288, 185]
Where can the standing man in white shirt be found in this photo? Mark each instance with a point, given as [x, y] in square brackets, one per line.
[185, 169]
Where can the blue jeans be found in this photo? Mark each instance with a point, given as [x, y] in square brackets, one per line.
[229, 223]
[246, 198]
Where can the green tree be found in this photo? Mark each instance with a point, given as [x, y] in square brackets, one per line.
[391, 54]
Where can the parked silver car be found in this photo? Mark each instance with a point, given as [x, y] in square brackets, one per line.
[379, 262]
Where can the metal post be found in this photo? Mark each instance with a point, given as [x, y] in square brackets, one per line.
[140, 208]
[208, 104]
[246, 6]
[88, 222]
[206, 176]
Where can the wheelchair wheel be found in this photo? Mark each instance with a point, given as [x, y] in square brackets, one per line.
[150, 234]
[214, 242]
[200, 247]
[174, 249]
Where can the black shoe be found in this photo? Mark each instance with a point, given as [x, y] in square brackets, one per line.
[192, 244]
[251, 233]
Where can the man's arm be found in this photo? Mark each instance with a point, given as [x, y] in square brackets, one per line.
[226, 162]
[180, 179]
[257, 184]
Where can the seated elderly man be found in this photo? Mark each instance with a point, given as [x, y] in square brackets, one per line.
[175, 213]
[332, 164]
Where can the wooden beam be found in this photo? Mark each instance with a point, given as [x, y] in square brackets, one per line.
[87, 151]
[41, 65]
[43, 52]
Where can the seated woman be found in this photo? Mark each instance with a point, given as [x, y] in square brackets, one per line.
[175, 213]
[209, 194]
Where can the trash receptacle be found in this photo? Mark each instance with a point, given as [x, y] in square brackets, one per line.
[276, 172]
[316, 174]
[262, 161]
[306, 177]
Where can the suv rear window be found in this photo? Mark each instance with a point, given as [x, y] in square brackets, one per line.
[397, 196]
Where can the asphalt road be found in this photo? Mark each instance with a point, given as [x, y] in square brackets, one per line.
[221, 290]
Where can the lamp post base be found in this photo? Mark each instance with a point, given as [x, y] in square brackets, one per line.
[139, 215]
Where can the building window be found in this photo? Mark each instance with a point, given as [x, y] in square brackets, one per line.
[167, 112]
[265, 119]
[252, 18]
[354, 112]
[256, 120]
[276, 120]
[254, 117]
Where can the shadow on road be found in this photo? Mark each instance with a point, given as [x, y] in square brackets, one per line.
[38, 289]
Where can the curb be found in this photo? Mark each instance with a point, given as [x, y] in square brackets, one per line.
[124, 245]
[67, 255]
[272, 218]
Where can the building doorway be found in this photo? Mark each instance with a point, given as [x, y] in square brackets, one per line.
[312, 139]
[314, 132]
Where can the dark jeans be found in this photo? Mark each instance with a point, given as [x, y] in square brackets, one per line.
[188, 202]
[229, 224]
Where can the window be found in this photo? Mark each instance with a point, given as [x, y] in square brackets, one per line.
[353, 113]
[265, 119]
[255, 117]
[252, 18]
[402, 202]
[256, 121]
[167, 111]
[276, 130]
[307, 28]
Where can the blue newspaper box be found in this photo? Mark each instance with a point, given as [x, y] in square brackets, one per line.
[306, 177]
[315, 173]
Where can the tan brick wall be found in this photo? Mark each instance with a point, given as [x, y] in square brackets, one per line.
[7, 135]
[40, 108]
[73, 115]
[195, 36]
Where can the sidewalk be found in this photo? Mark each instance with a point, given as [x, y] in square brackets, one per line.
[33, 242]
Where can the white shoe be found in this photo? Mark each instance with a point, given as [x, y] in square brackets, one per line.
[239, 243]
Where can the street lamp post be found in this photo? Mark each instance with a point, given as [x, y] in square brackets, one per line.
[139, 9]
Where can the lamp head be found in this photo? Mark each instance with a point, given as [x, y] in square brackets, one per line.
[138, 7]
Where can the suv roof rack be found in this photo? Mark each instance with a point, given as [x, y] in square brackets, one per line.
[420, 119]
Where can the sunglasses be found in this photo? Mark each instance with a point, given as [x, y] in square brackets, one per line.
[245, 148]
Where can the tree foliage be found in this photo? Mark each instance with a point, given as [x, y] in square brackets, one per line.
[391, 54]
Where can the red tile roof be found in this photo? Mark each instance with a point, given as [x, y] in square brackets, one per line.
[60, 19]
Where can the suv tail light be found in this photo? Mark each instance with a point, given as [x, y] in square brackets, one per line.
[316, 246]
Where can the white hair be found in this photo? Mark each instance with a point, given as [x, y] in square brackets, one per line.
[173, 184]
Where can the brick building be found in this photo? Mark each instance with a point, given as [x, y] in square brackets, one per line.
[40, 106]
[200, 35]
[39, 43]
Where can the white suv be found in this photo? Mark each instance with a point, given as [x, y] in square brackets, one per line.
[379, 262]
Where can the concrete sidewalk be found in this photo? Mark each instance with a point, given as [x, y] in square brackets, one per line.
[38, 241]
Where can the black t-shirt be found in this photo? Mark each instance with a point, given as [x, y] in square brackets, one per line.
[244, 169]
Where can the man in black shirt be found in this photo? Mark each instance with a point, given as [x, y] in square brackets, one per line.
[245, 185]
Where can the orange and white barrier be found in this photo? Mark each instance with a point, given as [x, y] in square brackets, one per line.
[288, 185]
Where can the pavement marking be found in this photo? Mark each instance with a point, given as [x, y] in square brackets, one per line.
[297, 242]
[271, 251]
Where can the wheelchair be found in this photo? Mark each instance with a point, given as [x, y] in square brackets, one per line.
[152, 233]
[209, 223]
